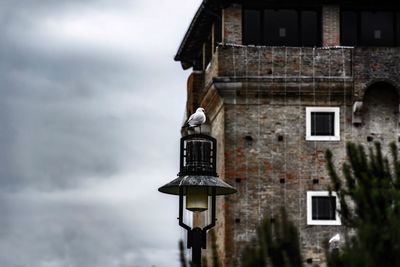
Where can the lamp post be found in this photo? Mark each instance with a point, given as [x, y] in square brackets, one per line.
[197, 181]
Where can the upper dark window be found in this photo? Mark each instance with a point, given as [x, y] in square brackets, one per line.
[398, 28]
[377, 28]
[281, 27]
[310, 32]
[370, 28]
[252, 26]
[349, 28]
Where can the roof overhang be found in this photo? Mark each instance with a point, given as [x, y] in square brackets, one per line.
[210, 10]
[198, 31]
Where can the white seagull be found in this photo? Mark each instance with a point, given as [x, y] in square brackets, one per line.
[196, 119]
[335, 238]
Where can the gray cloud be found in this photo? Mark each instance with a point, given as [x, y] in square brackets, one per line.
[90, 108]
[56, 230]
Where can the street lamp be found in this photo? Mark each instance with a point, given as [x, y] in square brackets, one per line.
[197, 181]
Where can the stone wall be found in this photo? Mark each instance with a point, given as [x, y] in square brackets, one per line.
[232, 25]
[251, 61]
[272, 165]
[260, 126]
[330, 25]
[373, 65]
[255, 98]
[270, 172]
[218, 132]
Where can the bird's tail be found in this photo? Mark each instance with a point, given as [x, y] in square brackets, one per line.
[188, 126]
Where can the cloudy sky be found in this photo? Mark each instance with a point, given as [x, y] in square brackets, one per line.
[90, 107]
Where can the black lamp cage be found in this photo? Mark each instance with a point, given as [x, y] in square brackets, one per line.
[198, 165]
[198, 155]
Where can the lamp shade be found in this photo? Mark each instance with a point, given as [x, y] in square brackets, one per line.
[209, 182]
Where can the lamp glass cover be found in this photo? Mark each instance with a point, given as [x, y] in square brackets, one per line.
[197, 198]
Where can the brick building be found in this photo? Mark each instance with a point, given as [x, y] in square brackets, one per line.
[281, 82]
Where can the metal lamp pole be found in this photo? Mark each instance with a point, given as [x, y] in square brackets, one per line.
[197, 237]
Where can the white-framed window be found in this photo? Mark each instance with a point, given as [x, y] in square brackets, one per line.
[322, 208]
[323, 123]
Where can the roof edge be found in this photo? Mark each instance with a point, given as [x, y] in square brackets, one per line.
[178, 56]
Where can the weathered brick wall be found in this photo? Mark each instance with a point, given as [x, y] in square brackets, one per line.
[232, 25]
[286, 62]
[379, 122]
[375, 64]
[195, 89]
[218, 132]
[211, 71]
[263, 96]
[270, 173]
[330, 25]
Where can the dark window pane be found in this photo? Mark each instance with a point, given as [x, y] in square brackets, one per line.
[324, 208]
[217, 33]
[280, 27]
[398, 28]
[208, 51]
[377, 28]
[310, 28]
[251, 27]
[348, 28]
[322, 123]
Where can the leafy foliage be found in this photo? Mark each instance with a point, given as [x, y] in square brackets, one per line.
[276, 243]
[214, 250]
[370, 206]
[369, 195]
